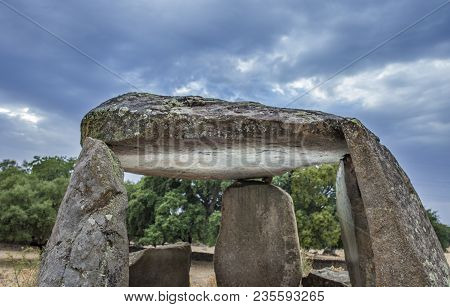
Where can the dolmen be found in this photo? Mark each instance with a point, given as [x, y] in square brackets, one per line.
[388, 239]
[89, 243]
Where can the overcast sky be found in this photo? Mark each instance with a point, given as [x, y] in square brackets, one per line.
[267, 51]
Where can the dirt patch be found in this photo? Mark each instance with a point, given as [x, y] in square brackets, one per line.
[19, 266]
[29, 254]
[200, 248]
[202, 274]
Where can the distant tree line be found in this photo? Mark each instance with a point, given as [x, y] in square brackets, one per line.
[168, 210]
[163, 210]
[30, 195]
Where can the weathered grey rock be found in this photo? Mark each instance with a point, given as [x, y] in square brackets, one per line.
[258, 241]
[163, 266]
[89, 245]
[326, 278]
[354, 228]
[390, 217]
[195, 137]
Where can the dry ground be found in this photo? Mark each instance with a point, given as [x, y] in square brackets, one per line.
[19, 267]
[202, 274]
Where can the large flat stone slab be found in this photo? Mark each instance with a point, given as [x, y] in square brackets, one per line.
[258, 242]
[89, 244]
[195, 137]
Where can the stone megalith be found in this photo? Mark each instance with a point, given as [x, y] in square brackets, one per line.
[258, 243]
[89, 244]
[395, 242]
[354, 229]
[202, 138]
[163, 266]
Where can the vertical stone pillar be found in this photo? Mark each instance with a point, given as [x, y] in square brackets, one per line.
[89, 244]
[354, 229]
[258, 240]
[406, 250]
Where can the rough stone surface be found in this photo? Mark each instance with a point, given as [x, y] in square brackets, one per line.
[258, 241]
[406, 251]
[89, 245]
[354, 227]
[195, 137]
[326, 278]
[163, 266]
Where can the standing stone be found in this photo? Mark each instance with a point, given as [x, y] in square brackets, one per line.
[401, 247]
[89, 244]
[163, 266]
[258, 240]
[355, 232]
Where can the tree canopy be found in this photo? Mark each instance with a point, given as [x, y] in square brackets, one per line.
[168, 210]
[30, 195]
[442, 230]
[314, 196]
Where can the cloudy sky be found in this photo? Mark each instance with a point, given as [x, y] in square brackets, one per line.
[59, 59]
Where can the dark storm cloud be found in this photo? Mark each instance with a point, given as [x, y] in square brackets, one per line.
[271, 51]
[168, 43]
